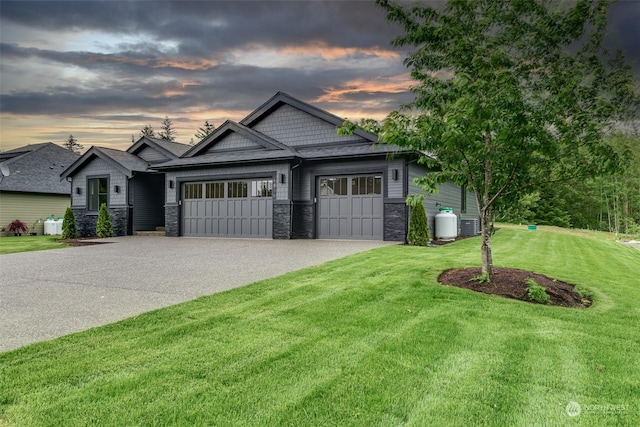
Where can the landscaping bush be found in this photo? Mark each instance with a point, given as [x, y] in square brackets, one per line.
[537, 293]
[69, 225]
[18, 227]
[103, 227]
[418, 234]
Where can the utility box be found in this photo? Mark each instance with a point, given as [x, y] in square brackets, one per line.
[469, 227]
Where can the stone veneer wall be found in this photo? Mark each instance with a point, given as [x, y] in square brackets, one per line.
[395, 222]
[281, 221]
[303, 220]
[171, 217]
[86, 223]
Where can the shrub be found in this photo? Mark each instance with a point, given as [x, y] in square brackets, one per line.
[537, 293]
[103, 227]
[69, 225]
[418, 234]
[18, 227]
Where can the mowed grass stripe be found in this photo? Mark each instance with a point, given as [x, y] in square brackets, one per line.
[371, 339]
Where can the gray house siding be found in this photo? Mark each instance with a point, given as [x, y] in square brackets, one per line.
[448, 195]
[232, 141]
[294, 128]
[98, 167]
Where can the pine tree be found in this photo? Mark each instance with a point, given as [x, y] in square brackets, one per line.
[69, 225]
[168, 132]
[72, 144]
[204, 131]
[147, 131]
[103, 227]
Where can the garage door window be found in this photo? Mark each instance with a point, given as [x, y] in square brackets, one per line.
[333, 187]
[215, 190]
[237, 189]
[366, 185]
[193, 191]
[262, 188]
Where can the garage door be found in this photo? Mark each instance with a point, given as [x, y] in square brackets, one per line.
[350, 207]
[241, 208]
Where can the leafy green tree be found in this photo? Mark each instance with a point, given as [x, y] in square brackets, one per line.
[418, 234]
[147, 131]
[205, 130]
[72, 144]
[168, 132]
[69, 225]
[103, 226]
[507, 90]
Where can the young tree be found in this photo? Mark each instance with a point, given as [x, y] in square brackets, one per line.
[72, 144]
[204, 131]
[147, 131]
[506, 91]
[168, 132]
[69, 225]
[103, 226]
[418, 234]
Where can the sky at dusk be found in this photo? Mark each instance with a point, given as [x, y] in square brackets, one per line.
[102, 70]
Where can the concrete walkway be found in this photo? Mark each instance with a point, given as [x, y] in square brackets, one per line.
[47, 294]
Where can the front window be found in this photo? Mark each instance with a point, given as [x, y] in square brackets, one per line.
[98, 192]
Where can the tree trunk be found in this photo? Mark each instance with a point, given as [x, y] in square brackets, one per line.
[485, 248]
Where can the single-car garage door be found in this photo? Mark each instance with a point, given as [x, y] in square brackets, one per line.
[350, 207]
[240, 208]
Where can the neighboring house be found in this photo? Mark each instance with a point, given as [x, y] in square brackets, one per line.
[282, 172]
[30, 186]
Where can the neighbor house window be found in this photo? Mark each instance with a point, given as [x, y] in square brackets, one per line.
[98, 192]
[262, 188]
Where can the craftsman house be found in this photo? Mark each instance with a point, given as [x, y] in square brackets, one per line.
[282, 172]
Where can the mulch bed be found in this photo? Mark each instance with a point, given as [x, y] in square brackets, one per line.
[510, 283]
[81, 241]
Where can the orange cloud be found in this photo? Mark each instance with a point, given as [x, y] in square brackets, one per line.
[334, 52]
[198, 64]
[396, 84]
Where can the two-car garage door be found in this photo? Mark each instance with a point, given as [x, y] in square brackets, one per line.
[240, 208]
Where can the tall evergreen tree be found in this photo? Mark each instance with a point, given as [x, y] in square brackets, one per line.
[168, 132]
[148, 131]
[72, 144]
[205, 130]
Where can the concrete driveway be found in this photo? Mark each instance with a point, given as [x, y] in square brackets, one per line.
[51, 293]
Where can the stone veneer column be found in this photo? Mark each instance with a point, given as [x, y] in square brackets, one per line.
[395, 221]
[171, 218]
[282, 220]
[303, 220]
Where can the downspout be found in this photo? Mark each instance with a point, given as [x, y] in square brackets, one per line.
[291, 197]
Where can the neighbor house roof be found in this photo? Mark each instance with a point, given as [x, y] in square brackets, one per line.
[123, 161]
[36, 169]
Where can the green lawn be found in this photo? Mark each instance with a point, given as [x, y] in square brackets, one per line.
[11, 244]
[368, 340]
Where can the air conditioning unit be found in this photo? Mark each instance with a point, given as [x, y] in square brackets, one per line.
[470, 227]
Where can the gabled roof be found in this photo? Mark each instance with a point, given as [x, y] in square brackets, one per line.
[173, 150]
[122, 161]
[266, 148]
[36, 169]
[260, 139]
[281, 98]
